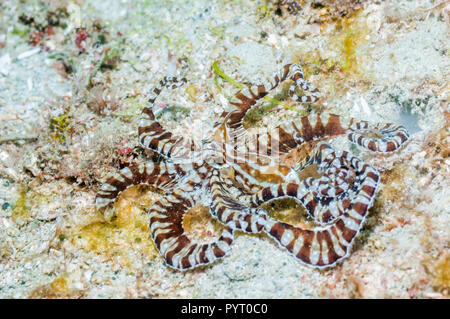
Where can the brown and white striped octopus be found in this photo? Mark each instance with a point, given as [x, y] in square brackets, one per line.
[235, 172]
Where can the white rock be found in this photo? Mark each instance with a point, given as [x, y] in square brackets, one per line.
[5, 62]
[27, 54]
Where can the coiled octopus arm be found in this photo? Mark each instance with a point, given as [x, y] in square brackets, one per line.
[324, 245]
[178, 182]
[167, 230]
[326, 198]
[229, 210]
[244, 99]
[229, 207]
[309, 128]
[153, 136]
[337, 206]
[158, 175]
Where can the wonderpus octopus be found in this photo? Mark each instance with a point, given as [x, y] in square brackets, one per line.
[235, 172]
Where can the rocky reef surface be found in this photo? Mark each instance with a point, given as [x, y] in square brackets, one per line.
[74, 76]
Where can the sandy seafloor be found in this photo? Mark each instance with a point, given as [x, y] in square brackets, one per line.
[68, 119]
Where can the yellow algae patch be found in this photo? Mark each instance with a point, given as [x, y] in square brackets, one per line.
[21, 209]
[38, 202]
[59, 288]
[288, 210]
[200, 226]
[438, 270]
[344, 56]
[191, 90]
[442, 273]
[125, 238]
[60, 285]
[351, 34]
[393, 187]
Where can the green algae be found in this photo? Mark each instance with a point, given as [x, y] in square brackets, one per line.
[221, 74]
[59, 126]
